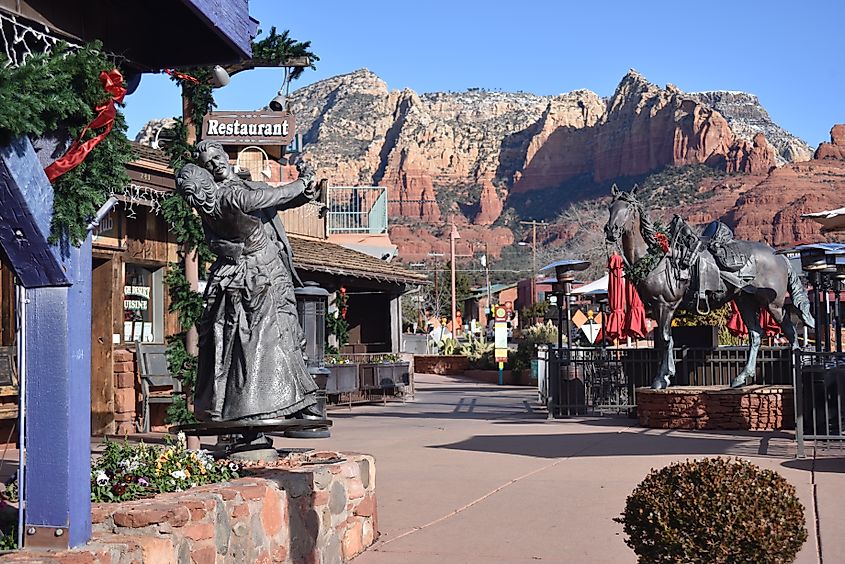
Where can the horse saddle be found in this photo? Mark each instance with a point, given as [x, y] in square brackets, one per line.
[710, 261]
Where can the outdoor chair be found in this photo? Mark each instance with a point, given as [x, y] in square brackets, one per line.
[157, 384]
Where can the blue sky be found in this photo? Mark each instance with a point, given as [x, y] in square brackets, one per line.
[790, 55]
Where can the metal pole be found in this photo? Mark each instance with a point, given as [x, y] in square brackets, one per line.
[21, 342]
[533, 271]
[454, 293]
[815, 280]
[837, 320]
[826, 285]
[559, 320]
[487, 278]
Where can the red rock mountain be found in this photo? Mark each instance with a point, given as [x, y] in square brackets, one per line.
[476, 157]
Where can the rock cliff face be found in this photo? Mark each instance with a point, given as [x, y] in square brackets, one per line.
[747, 118]
[458, 156]
[642, 128]
[467, 157]
[770, 210]
[836, 148]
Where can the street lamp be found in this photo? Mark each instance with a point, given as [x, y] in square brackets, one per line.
[562, 290]
[825, 264]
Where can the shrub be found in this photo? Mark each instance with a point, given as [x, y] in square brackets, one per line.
[131, 471]
[711, 511]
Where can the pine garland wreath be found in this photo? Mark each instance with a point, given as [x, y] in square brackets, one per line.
[56, 94]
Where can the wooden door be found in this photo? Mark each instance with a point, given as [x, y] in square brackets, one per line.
[102, 327]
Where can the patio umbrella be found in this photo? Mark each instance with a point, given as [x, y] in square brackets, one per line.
[614, 327]
[737, 326]
[635, 325]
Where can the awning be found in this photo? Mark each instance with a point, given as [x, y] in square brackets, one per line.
[593, 288]
[328, 258]
[831, 220]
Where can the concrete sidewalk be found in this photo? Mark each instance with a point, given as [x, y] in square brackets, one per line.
[471, 473]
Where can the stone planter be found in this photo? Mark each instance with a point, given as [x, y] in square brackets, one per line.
[343, 379]
[448, 365]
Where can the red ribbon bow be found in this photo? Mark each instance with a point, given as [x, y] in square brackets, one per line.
[113, 84]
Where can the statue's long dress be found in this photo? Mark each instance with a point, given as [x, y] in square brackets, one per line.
[251, 364]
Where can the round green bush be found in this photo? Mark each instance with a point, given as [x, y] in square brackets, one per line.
[711, 511]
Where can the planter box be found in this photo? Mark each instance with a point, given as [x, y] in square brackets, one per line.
[343, 379]
[509, 378]
[384, 375]
[704, 337]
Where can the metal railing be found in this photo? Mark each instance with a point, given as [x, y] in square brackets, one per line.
[819, 397]
[597, 381]
[353, 209]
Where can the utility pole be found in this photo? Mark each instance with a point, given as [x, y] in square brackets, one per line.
[534, 224]
[487, 280]
[453, 236]
[437, 304]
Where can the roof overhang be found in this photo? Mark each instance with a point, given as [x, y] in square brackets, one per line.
[150, 34]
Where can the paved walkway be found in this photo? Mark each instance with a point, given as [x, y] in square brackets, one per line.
[472, 473]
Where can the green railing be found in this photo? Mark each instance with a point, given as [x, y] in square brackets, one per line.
[354, 209]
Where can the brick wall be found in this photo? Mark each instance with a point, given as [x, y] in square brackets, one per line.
[450, 365]
[323, 514]
[752, 408]
[127, 391]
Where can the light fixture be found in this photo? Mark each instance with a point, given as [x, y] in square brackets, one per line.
[278, 103]
[219, 77]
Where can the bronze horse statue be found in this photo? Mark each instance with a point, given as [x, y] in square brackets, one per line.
[675, 279]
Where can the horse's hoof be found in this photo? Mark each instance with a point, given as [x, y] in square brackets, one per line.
[738, 382]
[660, 383]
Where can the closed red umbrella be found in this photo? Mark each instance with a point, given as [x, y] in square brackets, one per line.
[614, 327]
[635, 324]
[737, 326]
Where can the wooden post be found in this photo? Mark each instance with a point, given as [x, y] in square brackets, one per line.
[191, 261]
[55, 345]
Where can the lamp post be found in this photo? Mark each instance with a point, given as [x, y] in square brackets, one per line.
[454, 236]
[564, 274]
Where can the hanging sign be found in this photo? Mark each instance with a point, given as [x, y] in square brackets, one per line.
[249, 128]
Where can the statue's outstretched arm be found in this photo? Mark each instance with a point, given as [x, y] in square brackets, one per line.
[265, 196]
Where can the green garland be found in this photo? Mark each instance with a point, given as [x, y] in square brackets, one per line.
[639, 271]
[56, 94]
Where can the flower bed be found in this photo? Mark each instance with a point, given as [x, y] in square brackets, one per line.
[131, 471]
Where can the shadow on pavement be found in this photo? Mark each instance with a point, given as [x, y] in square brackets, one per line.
[608, 444]
[834, 465]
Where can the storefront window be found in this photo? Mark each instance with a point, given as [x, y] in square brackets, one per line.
[143, 311]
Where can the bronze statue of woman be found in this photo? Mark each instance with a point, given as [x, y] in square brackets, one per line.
[251, 365]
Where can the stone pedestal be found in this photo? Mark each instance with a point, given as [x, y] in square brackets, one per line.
[751, 408]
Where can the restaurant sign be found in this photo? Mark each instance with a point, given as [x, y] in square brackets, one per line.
[249, 128]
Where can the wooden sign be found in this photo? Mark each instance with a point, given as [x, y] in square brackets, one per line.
[249, 128]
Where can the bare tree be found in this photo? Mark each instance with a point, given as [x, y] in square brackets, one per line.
[578, 233]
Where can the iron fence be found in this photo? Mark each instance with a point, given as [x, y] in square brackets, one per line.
[819, 389]
[597, 381]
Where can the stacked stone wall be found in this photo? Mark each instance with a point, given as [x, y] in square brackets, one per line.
[321, 514]
[752, 408]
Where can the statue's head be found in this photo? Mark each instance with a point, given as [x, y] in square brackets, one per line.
[214, 159]
[623, 210]
[198, 187]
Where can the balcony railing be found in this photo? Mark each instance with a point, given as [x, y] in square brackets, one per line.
[355, 209]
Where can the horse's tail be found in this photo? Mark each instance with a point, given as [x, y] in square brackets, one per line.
[800, 301]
